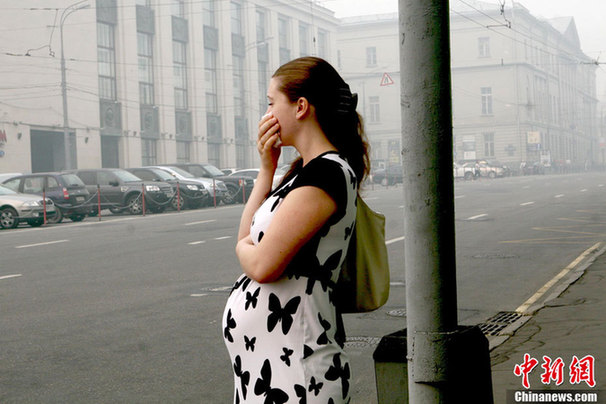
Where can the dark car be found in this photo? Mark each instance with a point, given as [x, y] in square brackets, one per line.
[235, 184]
[121, 191]
[186, 194]
[390, 176]
[66, 190]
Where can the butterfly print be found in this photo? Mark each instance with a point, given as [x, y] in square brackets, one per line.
[250, 343]
[281, 314]
[324, 272]
[307, 351]
[286, 357]
[352, 178]
[323, 338]
[301, 393]
[336, 371]
[244, 376]
[263, 387]
[315, 387]
[348, 231]
[244, 282]
[261, 234]
[251, 299]
[230, 324]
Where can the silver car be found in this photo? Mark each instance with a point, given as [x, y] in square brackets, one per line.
[17, 207]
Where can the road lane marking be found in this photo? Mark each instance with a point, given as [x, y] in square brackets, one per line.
[198, 294]
[222, 238]
[460, 196]
[39, 244]
[584, 190]
[522, 309]
[526, 203]
[10, 276]
[559, 196]
[197, 242]
[200, 222]
[394, 240]
[600, 185]
[477, 216]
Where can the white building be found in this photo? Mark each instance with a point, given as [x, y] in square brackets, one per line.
[523, 91]
[147, 81]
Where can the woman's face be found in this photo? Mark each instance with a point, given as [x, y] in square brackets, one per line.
[283, 110]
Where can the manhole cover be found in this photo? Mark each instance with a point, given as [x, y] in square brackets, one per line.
[494, 325]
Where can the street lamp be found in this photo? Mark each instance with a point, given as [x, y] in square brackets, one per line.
[66, 12]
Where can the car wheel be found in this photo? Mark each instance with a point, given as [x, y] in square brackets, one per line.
[468, 176]
[36, 223]
[230, 195]
[135, 207]
[181, 202]
[56, 218]
[491, 174]
[384, 182]
[77, 218]
[9, 219]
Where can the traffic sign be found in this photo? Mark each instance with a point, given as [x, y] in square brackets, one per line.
[386, 80]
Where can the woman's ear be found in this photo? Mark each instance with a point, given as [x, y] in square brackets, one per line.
[302, 108]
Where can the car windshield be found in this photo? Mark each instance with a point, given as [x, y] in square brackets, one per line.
[72, 180]
[164, 176]
[214, 171]
[6, 191]
[182, 172]
[126, 176]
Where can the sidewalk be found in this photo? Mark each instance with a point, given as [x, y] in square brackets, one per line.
[573, 324]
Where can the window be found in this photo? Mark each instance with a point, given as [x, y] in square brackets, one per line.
[322, 43]
[236, 18]
[51, 183]
[208, 13]
[238, 81]
[486, 100]
[148, 152]
[284, 39]
[210, 80]
[261, 26]
[488, 144]
[106, 54]
[183, 152]
[484, 47]
[375, 111]
[303, 39]
[12, 184]
[145, 3]
[371, 56]
[146, 73]
[180, 74]
[178, 8]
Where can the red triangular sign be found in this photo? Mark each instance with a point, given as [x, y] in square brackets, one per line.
[386, 80]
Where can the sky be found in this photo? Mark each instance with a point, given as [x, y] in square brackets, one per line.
[588, 15]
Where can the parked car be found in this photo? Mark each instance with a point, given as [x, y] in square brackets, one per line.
[186, 194]
[235, 184]
[485, 169]
[68, 192]
[461, 171]
[218, 192]
[122, 191]
[390, 176]
[17, 207]
[254, 172]
[6, 176]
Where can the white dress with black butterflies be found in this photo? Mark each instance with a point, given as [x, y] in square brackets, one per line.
[285, 338]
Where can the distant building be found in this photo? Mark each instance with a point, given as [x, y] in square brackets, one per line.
[523, 91]
[147, 81]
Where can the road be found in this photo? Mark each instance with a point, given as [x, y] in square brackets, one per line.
[128, 309]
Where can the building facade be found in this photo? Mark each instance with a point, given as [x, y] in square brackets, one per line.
[523, 91]
[146, 81]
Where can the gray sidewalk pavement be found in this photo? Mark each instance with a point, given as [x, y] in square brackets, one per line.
[570, 323]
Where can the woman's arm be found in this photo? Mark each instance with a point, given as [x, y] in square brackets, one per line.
[302, 213]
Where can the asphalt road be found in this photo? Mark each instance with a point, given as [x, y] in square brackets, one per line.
[128, 309]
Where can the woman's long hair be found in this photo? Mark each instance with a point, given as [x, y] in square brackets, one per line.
[335, 106]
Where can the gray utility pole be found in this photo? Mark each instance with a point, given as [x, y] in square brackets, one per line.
[438, 351]
[66, 141]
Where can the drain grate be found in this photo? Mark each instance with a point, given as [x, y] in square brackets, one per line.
[397, 313]
[361, 342]
[494, 325]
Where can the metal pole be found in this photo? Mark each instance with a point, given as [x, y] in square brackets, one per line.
[431, 304]
[66, 141]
